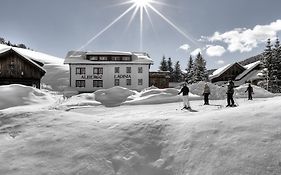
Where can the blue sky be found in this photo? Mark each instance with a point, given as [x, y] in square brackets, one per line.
[224, 30]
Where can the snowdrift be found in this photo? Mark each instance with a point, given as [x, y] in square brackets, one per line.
[258, 92]
[19, 95]
[219, 92]
[117, 96]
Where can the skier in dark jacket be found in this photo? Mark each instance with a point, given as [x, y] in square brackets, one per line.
[206, 94]
[250, 92]
[185, 91]
[230, 92]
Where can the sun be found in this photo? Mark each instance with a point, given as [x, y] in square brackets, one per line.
[143, 7]
[141, 3]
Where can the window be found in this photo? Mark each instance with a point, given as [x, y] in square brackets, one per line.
[128, 82]
[126, 58]
[117, 70]
[103, 58]
[93, 58]
[140, 70]
[115, 58]
[98, 70]
[128, 69]
[80, 70]
[140, 82]
[97, 83]
[116, 82]
[80, 83]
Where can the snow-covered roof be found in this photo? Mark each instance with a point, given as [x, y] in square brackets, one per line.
[73, 57]
[220, 71]
[18, 51]
[38, 56]
[249, 68]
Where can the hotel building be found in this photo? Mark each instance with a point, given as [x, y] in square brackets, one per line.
[90, 71]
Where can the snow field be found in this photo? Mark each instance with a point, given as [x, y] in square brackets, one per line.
[144, 140]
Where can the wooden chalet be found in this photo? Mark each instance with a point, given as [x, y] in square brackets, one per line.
[159, 79]
[230, 71]
[16, 68]
[238, 73]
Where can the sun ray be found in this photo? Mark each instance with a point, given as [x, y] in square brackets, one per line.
[143, 7]
[141, 28]
[132, 17]
[107, 27]
[149, 18]
[173, 25]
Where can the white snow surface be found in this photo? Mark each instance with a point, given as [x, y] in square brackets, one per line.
[78, 135]
[57, 74]
[19, 95]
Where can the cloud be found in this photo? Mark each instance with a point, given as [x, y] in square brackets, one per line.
[184, 47]
[196, 51]
[220, 62]
[243, 39]
[213, 51]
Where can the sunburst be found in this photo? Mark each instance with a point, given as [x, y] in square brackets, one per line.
[142, 7]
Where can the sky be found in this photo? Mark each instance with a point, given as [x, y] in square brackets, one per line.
[224, 31]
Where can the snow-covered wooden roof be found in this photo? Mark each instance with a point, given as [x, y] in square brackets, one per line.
[249, 68]
[76, 57]
[29, 58]
[220, 71]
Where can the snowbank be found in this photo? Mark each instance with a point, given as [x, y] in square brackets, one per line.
[85, 99]
[19, 95]
[157, 96]
[258, 92]
[217, 92]
[113, 96]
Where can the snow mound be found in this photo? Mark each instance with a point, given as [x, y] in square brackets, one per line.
[258, 92]
[19, 95]
[114, 96]
[157, 96]
[85, 99]
[217, 92]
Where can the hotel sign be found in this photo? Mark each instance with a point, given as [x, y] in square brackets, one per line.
[122, 76]
[91, 77]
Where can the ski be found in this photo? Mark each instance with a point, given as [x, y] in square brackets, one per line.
[189, 109]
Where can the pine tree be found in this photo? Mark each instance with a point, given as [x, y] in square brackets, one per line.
[163, 64]
[268, 65]
[177, 74]
[170, 69]
[170, 65]
[200, 70]
[277, 65]
[21, 46]
[2, 40]
[189, 78]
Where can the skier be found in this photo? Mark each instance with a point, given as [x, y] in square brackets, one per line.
[230, 92]
[185, 91]
[250, 92]
[206, 94]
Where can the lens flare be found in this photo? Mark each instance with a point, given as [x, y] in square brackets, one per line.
[142, 7]
[141, 3]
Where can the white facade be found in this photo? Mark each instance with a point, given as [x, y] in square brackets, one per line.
[90, 71]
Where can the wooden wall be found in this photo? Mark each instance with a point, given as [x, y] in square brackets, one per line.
[15, 69]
